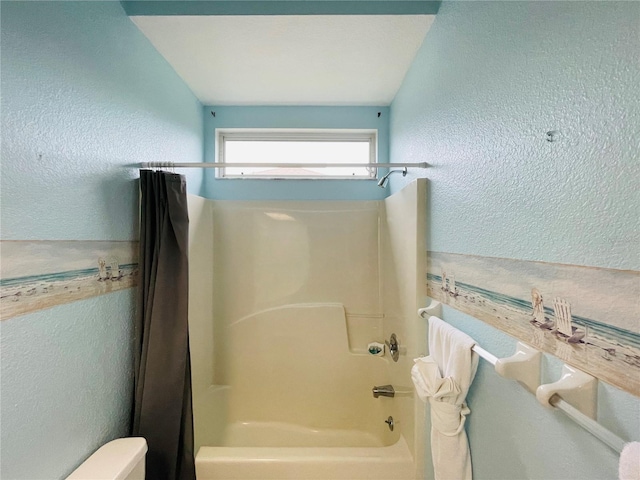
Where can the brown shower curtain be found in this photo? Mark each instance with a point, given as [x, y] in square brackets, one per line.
[162, 398]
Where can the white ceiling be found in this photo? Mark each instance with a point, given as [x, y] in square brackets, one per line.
[289, 60]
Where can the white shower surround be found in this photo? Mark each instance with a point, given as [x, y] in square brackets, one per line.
[284, 298]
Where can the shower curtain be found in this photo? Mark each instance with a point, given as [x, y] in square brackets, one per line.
[162, 410]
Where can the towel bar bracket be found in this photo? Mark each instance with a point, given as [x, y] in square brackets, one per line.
[576, 387]
[523, 366]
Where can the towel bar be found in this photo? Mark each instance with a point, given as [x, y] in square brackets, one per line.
[589, 424]
[489, 357]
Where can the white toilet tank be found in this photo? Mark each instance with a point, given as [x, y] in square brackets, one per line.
[121, 459]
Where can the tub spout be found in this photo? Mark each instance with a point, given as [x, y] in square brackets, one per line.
[384, 390]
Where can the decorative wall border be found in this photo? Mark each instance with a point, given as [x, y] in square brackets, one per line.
[35, 275]
[588, 317]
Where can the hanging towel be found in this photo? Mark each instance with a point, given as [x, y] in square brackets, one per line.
[629, 468]
[444, 378]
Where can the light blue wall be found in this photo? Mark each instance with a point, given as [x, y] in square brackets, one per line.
[489, 81]
[66, 384]
[293, 117]
[84, 95]
[286, 7]
[82, 87]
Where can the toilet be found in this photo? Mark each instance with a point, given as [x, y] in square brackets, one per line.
[121, 459]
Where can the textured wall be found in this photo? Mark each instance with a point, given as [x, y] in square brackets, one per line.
[83, 89]
[66, 384]
[489, 81]
[84, 95]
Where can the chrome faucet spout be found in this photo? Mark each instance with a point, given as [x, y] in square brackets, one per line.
[384, 391]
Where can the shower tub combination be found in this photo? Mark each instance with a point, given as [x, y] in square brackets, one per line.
[282, 379]
[309, 399]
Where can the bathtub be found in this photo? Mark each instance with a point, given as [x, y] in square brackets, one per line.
[304, 410]
[277, 451]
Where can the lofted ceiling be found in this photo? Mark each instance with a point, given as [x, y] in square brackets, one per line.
[289, 59]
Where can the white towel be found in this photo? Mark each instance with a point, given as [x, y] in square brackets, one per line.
[444, 378]
[629, 467]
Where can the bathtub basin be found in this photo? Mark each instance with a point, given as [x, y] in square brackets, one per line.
[280, 451]
[305, 463]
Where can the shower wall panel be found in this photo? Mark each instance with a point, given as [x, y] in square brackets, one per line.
[285, 297]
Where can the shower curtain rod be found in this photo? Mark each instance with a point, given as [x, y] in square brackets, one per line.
[280, 165]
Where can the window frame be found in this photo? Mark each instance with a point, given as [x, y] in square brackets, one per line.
[367, 135]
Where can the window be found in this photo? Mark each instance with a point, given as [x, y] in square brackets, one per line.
[296, 153]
